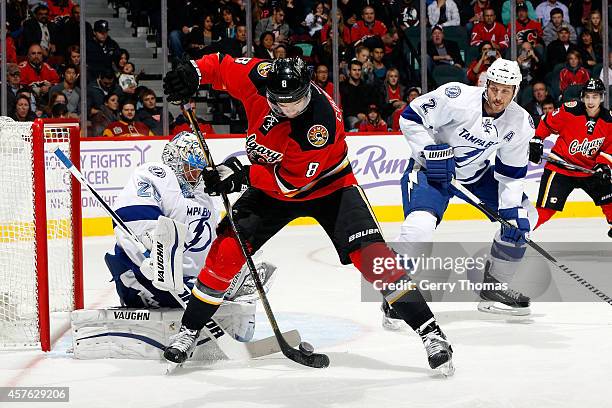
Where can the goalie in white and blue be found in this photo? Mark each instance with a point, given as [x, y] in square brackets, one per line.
[454, 132]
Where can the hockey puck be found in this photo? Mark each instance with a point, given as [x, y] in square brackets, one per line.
[306, 348]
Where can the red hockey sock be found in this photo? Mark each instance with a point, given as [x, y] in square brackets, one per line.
[544, 214]
[607, 210]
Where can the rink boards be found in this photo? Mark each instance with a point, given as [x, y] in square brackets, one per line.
[378, 161]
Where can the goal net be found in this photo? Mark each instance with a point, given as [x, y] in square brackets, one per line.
[40, 230]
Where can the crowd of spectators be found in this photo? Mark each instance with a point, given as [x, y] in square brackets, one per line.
[559, 46]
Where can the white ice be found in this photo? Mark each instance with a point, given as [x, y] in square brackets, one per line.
[559, 357]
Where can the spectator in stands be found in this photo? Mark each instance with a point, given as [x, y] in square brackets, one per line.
[590, 53]
[22, 111]
[293, 16]
[373, 121]
[529, 63]
[280, 51]
[573, 73]
[543, 11]
[407, 14]
[59, 8]
[362, 54]
[105, 115]
[127, 79]
[201, 39]
[226, 28]
[444, 13]
[96, 91]
[11, 51]
[38, 30]
[27, 92]
[321, 78]
[261, 10]
[505, 13]
[580, 11]
[393, 93]
[356, 96]
[526, 28]
[535, 106]
[316, 19]
[185, 15]
[16, 14]
[367, 27]
[69, 88]
[265, 49]
[556, 52]
[127, 126]
[490, 30]
[59, 111]
[54, 98]
[551, 30]
[595, 26]
[150, 114]
[102, 50]
[379, 67]
[121, 58]
[181, 123]
[547, 106]
[13, 85]
[412, 94]
[443, 51]
[477, 13]
[274, 24]
[236, 47]
[601, 74]
[68, 32]
[38, 74]
[344, 31]
[74, 56]
[477, 70]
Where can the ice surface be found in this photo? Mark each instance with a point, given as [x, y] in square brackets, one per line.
[559, 357]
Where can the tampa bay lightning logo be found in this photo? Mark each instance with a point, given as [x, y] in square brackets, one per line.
[158, 171]
[465, 155]
[201, 233]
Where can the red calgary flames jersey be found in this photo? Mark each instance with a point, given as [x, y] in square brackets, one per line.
[292, 159]
[583, 141]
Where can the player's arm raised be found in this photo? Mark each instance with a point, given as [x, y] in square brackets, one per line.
[237, 76]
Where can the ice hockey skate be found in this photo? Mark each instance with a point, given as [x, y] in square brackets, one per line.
[501, 301]
[439, 350]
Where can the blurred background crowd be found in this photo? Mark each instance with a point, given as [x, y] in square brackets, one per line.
[559, 45]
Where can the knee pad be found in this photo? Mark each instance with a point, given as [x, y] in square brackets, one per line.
[418, 226]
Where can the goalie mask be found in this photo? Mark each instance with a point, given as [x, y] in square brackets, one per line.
[185, 157]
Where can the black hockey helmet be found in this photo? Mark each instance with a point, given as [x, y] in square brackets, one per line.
[288, 81]
[593, 85]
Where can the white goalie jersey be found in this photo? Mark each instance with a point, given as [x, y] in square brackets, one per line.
[153, 190]
[454, 114]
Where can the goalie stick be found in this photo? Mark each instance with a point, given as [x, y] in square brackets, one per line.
[231, 347]
[478, 203]
[304, 355]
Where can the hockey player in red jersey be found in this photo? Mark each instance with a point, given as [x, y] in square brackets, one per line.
[585, 139]
[299, 167]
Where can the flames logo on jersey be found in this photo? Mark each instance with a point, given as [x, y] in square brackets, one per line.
[318, 135]
[587, 147]
[263, 68]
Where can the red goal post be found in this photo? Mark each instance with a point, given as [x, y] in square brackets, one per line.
[41, 256]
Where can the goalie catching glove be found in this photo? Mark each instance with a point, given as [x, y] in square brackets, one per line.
[165, 265]
[229, 177]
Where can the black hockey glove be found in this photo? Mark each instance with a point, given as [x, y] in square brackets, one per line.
[181, 82]
[603, 173]
[229, 177]
[536, 150]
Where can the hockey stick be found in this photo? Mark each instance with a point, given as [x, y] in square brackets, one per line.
[560, 162]
[477, 202]
[231, 347]
[304, 355]
[130, 234]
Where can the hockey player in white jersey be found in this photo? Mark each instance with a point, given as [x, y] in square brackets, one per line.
[452, 133]
[170, 189]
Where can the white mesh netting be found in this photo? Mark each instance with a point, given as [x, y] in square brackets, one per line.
[18, 250]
